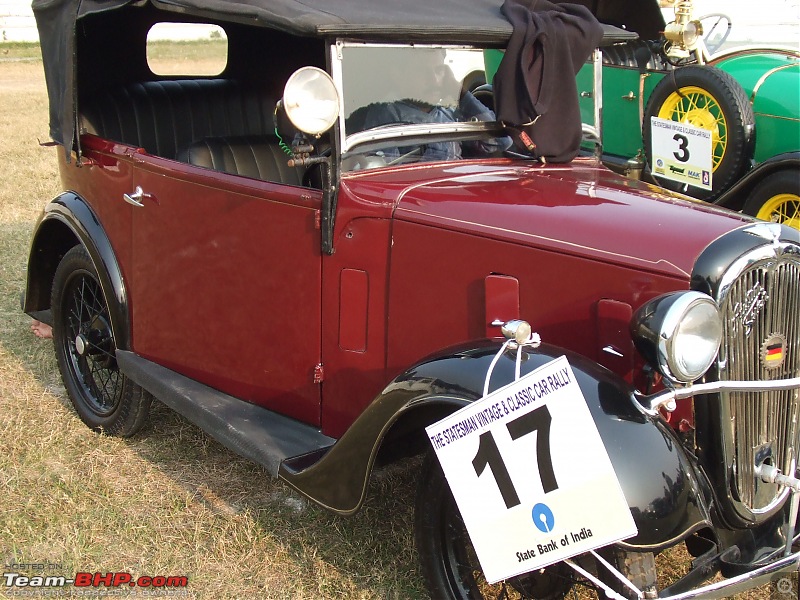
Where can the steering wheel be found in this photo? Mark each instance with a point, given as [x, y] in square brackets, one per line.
[418, 152]
[721, 27]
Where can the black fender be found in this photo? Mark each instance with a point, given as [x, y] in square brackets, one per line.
[66, 221]
[666, 493]
[736, 196]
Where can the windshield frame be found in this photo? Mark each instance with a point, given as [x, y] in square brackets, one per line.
[401, 131]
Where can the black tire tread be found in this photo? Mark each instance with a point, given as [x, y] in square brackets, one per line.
[131, 414]
[786, 181]
[739, 117]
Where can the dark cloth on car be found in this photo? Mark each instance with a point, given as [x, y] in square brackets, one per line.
[535, 88]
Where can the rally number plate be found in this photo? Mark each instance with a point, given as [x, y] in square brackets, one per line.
[530, 474]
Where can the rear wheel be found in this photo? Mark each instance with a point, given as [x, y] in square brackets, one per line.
[104, 398]
[711, 99]
[777, 199]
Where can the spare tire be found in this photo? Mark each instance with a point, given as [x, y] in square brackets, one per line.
[709, 98]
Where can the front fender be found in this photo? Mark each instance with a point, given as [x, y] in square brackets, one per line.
[68, 220]
[737, 194]
[665, 493]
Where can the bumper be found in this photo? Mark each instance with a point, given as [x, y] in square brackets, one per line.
[758, 576]
[666, 399]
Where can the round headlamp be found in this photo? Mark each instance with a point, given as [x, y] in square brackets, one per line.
[679, 334]
[311, 100]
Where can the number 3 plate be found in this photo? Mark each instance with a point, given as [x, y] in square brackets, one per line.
[681, 152]
[531, 475]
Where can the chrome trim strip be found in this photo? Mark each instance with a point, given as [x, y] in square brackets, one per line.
[751, 48]
[743, 582]
[651, 404]
[769, 232]
[396, 132]
[765, 76]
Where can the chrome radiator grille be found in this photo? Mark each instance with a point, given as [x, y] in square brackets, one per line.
[761, 309]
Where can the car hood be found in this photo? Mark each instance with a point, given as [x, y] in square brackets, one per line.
[580, 209]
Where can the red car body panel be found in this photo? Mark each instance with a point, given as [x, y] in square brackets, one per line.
[456, 228]
[244, 271]
[489, 240]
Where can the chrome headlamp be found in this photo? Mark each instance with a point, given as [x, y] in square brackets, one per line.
[311, 100]
[679, 334]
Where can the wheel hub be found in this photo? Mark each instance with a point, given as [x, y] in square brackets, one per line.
[697, 107]
[81, 344]
[96, 341]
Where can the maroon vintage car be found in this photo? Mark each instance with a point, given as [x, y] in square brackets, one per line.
[328, 247]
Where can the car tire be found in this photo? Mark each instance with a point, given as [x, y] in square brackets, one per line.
[710, 98]
[451, 569]
[447, 560]
[104, 398]
[777, 199]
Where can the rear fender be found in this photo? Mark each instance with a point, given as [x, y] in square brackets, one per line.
[664, 491]
[67, 221]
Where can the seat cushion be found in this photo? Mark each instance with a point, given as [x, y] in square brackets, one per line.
[258, 157]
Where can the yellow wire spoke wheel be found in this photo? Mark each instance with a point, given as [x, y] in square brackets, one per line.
[777, 198]
[782, 208]
[697, 107]
[709, 98]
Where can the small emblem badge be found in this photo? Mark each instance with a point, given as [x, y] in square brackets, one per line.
[773, 351]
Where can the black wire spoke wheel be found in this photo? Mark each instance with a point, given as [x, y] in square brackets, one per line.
[104, 398]
[90, 344]
[449, 562]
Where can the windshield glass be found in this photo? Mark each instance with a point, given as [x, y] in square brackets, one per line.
[405, 104]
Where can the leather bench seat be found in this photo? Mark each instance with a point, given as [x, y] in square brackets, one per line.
[164, 117]
[259, 157]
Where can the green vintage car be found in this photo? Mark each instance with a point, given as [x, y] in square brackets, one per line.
[746, 100]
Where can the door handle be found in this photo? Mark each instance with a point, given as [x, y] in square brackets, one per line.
[136, 197]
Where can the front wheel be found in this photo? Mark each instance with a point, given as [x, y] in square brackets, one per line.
[452, 571]
[777, 199]
[104, 398]
[448, 560]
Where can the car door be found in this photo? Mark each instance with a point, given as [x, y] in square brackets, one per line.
[226, 282]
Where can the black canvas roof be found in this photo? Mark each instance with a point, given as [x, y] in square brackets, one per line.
[437, 21]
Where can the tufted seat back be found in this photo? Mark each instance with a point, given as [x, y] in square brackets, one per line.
[258, 157]
[164, 117]
[633, 53]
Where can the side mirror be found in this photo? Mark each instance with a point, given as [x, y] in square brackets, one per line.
[311, 100]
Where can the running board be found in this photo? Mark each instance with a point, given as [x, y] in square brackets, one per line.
[258, 434]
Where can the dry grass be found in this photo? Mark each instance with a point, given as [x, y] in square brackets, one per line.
[170, 501]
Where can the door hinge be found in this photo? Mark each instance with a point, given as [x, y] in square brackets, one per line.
[319, 373]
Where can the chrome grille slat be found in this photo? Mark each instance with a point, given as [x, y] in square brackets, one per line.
[764, 300]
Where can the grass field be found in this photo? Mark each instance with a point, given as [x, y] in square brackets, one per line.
[169, 502]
